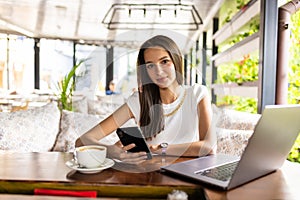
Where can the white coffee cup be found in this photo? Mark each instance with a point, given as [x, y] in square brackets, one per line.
[90, 156]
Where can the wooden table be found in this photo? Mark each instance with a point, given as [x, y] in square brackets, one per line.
[21, 173]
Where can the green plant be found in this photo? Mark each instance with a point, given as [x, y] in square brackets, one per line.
[230, 8]
[294, 74]
[294, 62]
[253, 27]
[245, 70]
[246, 31]
[66, 87]
[241, 3]
[239, 103]
[294, 154]
[239, 72]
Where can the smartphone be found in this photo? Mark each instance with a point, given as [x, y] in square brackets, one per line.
[133, 134]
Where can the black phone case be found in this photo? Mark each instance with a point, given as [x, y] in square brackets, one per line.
[129, 135]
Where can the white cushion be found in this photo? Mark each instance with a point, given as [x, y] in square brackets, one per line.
[80, 104]
[236, 120]
[234, 129]
[32, 130]
[104, 106]
[232, 141]
[73, 125]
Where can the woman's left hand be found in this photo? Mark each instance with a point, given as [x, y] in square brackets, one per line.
[155, 148]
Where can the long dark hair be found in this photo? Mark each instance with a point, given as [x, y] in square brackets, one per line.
[151, 112]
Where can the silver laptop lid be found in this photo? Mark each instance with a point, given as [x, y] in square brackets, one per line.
[273, 138]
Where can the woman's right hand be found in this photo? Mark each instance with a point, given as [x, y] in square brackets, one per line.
[122, 153]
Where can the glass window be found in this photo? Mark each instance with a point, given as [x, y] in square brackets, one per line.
[16, 63]
[125, 70]
[56, 60]
[91, 75]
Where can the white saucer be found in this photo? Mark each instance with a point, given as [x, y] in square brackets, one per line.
[107, 164]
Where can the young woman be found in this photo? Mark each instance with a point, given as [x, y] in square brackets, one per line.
[173, 117]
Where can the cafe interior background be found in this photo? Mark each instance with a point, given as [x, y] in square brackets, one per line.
[94, 27]
[41, 41]
[65, 31]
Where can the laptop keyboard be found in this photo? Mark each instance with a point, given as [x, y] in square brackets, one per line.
[223, 172]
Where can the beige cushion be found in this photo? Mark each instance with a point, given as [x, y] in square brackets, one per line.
[105, 105]
[32, 130]
[73, 125]
[234, 129]
[80, 104]
[236, 120]
[95, 107]
[232, 141]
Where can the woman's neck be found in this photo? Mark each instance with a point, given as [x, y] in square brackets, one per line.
[170, 94]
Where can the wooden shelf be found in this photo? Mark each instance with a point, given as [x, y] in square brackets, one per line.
[247, 89]
[237, 51]
[243, 17]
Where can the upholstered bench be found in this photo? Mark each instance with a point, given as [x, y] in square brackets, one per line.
[46, 128]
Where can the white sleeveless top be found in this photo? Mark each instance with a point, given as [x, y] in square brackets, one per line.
[182, 126]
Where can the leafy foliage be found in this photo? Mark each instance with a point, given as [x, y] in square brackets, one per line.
[239, 72]
[294, 62]
[245, 70]
[253, 27]
[294, 154]
[294, 74]
[230, 8]
[66, 88]
[239, 103]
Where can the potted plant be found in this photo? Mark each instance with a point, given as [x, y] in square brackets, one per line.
[66, 87]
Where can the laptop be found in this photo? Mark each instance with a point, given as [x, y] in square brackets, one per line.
[266, 151]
